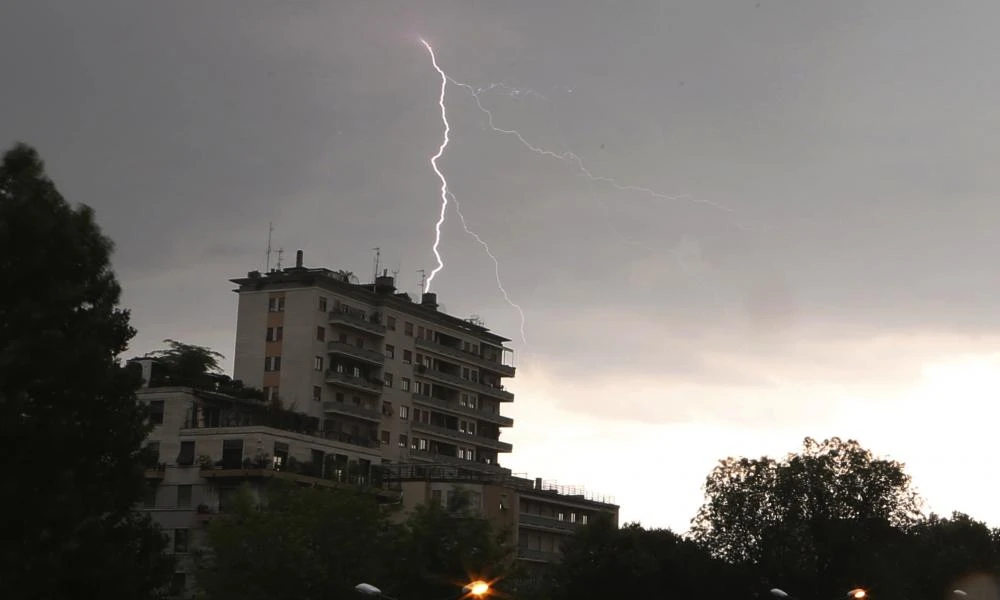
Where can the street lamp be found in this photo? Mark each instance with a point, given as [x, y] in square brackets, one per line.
[779, 593]
[477, 588]
[857, 594]
[370, 590]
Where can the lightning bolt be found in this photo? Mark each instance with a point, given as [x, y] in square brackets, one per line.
[496, 265]
[574, 158]
[444, 182]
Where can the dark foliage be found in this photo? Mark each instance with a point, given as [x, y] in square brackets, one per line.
[70, 427]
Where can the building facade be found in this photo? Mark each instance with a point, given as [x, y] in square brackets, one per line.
[378, 369]
[538, 515]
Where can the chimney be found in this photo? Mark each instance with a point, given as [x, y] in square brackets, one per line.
[385, 284]
[538, 483]
[430, 300]
[298, 259]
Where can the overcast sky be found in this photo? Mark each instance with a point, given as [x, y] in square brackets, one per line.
[829, 267]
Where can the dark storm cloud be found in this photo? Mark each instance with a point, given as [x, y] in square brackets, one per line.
[851, 143]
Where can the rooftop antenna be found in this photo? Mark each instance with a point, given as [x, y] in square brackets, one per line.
[280, 252]
[423, 281]
[378, 253]
[267, 262]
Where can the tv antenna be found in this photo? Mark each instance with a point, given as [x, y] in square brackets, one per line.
[423, 279]
[281, 251]
[267, 262]
[378, 253]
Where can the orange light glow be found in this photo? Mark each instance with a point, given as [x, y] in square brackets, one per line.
[478, 588]
[859, 594]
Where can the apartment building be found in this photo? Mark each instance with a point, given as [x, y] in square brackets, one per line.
[208, 445]
[377, 369]
[539, 515]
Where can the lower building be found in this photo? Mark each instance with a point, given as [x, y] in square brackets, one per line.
[207, 445]
[539, 515]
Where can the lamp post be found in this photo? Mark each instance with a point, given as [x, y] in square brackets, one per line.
[477, 588]
[370, 590]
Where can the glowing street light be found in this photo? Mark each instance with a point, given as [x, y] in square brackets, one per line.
[779, 593]
[478, 588]
[857, 594]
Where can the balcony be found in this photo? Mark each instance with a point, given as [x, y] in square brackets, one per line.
[462, 438]
[357, 323]
[454, 380]
[448, 459]
[538, 555]
[551, 523]
[462, 355]
[455, 408]
[372, 385]
[352, 410]
[344, 349]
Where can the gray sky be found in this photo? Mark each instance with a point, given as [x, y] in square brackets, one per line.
[851, 145]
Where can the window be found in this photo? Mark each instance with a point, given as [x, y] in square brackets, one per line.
[184, 496]
[274, 394]
[464, 400]
[422, 445]
[275, 334]
[390, 351]
[359, 342]
[321, 334]
[572, 517]
[156, 412]
[583, 519]
[436, 496]
[420, 331]
[272, 363]
[408, 329]
[404, 384]
[407, 357]
[404, 412]
[561, 516]
[390, 323]
[387, 409]
[149, 499]
[276, 304]
[317, 363]
[356, 371]
[468, 427]
[153, 450]
[385, 437]
[232, 454]
[180, 541]
[402, 440]
[185, 457]
[387, 378]
[465, 372]
[280, 455]
[322, 303]
[317, 393]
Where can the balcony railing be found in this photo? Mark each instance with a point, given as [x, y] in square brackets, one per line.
[352, 410]
[372, 385]
[454, 380]
[538, 555]
[462, 355]
[547, 522]
[462, 437]
[454, 407]
[345, 349]
[356, 322]
[474, 465]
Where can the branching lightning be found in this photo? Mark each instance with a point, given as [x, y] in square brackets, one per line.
[434, 165]
[496, 265]
[574, 158]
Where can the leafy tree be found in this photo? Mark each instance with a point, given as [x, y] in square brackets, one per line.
[70, 427]
[300, 544]
[444, 548]
[945, 554]
[828, 518]
[188, 360]
[602, 561]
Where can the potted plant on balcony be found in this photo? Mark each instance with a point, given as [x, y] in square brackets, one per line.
[205, 462]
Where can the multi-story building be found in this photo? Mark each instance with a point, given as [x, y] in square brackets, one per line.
[377, 369]
[538, 515]
[209, 445]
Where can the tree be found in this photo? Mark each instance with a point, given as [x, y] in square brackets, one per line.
[298, 544]
[71, 430]
[445, 547]
[188, 360]
[602, 561]
[960, 552]
[830, 517]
